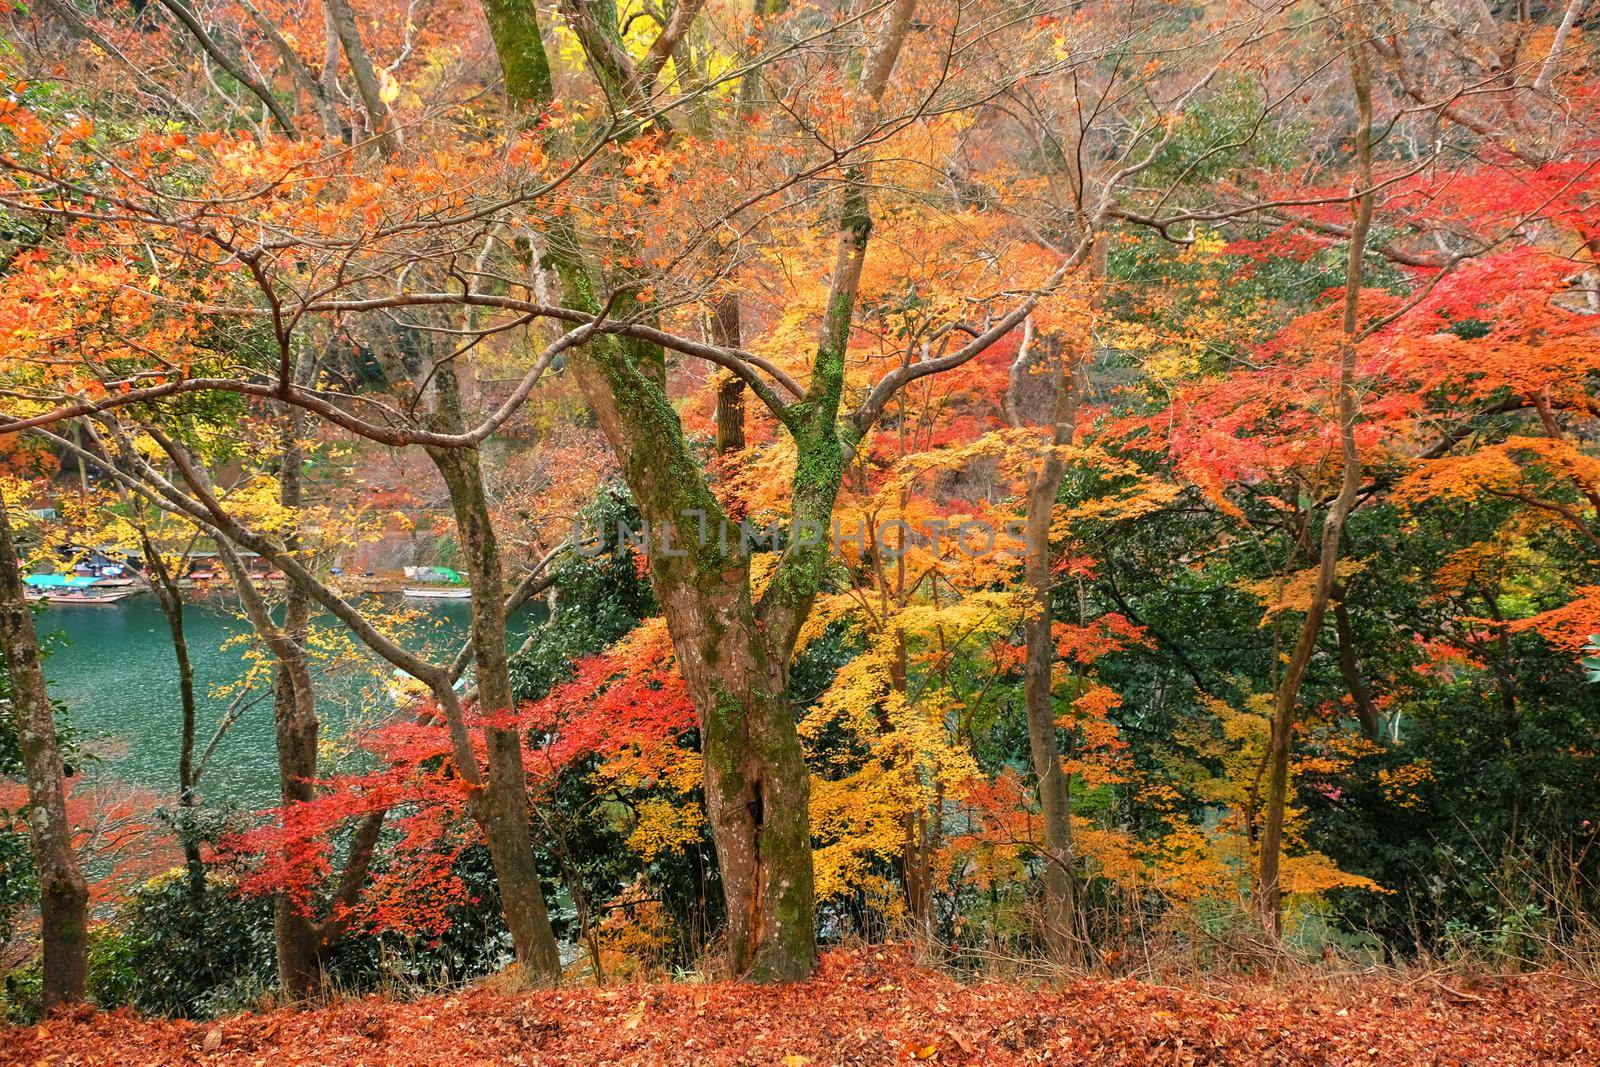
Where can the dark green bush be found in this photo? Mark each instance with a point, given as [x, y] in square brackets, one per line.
[166, 954]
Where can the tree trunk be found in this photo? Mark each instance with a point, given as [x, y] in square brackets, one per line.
[295, 727]
[380, 124]
[1360, 695]
[504, 800]
[733, 656]
[295, 933]
[916, 869]
[757, 786]
[725, 331]
[1059, 916]
[63, 893]
[513, 865]
[1269, 895]
[170, 600]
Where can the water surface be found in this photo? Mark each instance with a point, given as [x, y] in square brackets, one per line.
[113, 667]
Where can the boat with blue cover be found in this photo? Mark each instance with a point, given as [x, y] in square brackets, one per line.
[74, 589]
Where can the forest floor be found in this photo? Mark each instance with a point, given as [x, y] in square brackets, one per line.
[867, 1007]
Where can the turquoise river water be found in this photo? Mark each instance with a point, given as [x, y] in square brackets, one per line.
[113, 667]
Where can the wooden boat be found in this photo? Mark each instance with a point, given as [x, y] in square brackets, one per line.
[405, 690]
[117, 583]
[62, 597]
[77, 589]
[437, 592]
[442, 584]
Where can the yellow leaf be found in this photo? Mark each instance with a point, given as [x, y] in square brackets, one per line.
[390, 90]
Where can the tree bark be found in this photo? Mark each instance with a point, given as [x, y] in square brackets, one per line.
[524, 64]
[725, 331]
[757, 784]
[1059, 912]
[1269, 895]
[203, 508]
[230, 63]
[379, 121]
[63, 893]
[315, 90]
[294, 716]
[757, 787]
[733, 654]
[1360, 695]
[504, 798]
[916, 869]
[295, 728]
[169, 598]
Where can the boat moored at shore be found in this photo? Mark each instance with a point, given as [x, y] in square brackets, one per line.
[65, 589]
[436, 583]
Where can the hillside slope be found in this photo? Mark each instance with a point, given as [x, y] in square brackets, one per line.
[867, 1009]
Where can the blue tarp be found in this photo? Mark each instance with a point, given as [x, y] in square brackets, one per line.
[59, 581]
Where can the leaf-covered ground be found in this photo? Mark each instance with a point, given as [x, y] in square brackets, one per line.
[874, 1008]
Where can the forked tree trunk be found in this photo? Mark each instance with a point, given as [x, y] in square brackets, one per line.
[733, 657]
[757, 786]
[507, 837]
[63, 893]
[755, 777]
[306, 962]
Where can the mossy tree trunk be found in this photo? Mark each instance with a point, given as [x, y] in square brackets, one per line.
[63, 893]
[733, 652]
[503, 801]
[756, 783]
